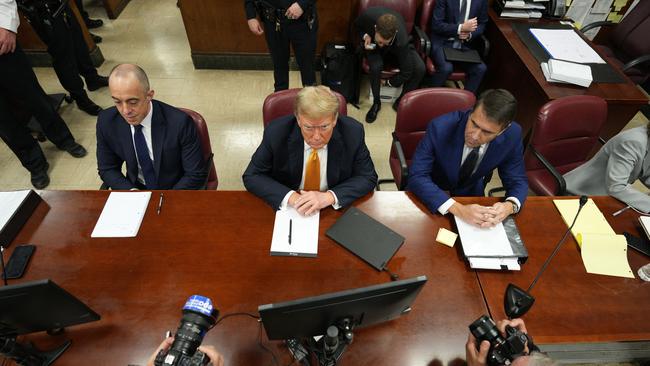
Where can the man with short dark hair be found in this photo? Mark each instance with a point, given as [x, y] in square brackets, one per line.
[461, 149]
[391, 44]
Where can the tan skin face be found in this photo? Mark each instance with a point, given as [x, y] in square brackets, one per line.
[131, 100]
[317, 132]
[381, 41]
[480, 129]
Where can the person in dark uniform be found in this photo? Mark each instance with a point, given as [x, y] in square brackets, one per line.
[286, 22]
[17, 80]
[59, 29]
[90, 23]
[385, 39]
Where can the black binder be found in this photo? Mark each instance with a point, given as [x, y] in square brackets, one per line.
[12, 227]
[467, 55]
[366, 237]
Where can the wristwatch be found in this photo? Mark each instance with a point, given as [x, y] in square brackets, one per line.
[515, 208]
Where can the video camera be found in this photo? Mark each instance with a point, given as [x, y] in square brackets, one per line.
[502, 350]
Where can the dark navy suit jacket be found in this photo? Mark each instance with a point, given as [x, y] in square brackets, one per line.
[276, 166]
[446, 18]
[437, 160]
[178, 160]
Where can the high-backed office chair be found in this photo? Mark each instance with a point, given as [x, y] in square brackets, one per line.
[414, 113]
[563, 138]
[628, 46]
[212, 180]
[281, 104]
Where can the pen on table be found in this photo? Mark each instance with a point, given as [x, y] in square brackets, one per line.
[290, 229]
[159, 204]
[621, 211]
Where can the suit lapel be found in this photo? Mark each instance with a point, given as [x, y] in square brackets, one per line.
[158, 131]
[125, 135]
[296, 146]
[454, 8]
[494, 150]
[456, 151]
[334, 154]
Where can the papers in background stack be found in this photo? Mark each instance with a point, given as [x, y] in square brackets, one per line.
[566, 45]
[122, 215]
[304, 234]
[487, 248]
[520, 8]
[603, 252]
[556, 71]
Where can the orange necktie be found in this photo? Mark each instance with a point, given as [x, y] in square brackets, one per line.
[312, 173]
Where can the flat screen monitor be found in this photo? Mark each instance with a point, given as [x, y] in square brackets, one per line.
[40, 306]
[364, 306]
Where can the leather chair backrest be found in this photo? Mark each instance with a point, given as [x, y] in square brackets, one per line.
[630, 36]
[206, 147]
[427, 14]
[406, 8]
[565, 133]
[281, 103]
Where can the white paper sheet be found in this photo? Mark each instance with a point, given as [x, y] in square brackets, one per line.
[579, 10]
[122, 215]
[566, 44]
[9, 203]
[480, 242]
[304, 233]
[494, 263]
[570, 72]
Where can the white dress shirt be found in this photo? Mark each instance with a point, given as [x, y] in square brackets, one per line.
[146, 131]
[463, 19]
[444, 208]
[9, 15]
[322, 157]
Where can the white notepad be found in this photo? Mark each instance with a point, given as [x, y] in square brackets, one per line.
[122, 215]
[484, 242]
[9, 204]
[304, 234]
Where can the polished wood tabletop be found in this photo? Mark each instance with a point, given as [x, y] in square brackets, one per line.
[217, 244]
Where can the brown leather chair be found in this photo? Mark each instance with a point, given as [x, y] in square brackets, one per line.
[628, 46]
[280, 104]
[563, 138]
[414, 113]
[202, 129]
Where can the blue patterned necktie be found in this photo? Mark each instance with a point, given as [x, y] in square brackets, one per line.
[143, 158]
[463, 9]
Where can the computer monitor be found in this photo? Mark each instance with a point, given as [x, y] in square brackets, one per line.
[364, 306]
[40, 306]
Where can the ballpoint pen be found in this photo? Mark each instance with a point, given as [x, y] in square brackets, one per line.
[290, 229]
[160, 201]
[621, 210]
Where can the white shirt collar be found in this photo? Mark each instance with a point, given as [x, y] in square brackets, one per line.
[146, 122]
[307, 147]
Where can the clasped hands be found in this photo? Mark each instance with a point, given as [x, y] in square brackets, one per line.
[482, 216]
[309, 202]
[469, 26]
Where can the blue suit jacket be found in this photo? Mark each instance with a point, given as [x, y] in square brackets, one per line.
[446, 18]
[276, 166]
[437, 160]
[178, 160]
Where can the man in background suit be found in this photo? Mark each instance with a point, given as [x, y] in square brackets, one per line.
[457, 24]
[158, 142]
[386, 28]
[460, 149]
[312, 159]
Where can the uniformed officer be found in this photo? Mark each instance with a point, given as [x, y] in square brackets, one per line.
[59, 29]
[286, 22]
[18, 81]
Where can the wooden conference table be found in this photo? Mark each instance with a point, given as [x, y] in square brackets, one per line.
[217, 244]
[513, 67]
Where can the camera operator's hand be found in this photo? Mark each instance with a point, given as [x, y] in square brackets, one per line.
[514, 323]
[476, 355]
[164, 346]
[7, 41]
[215, 357]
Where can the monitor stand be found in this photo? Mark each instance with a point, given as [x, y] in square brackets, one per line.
[28, 355]
[328, 349]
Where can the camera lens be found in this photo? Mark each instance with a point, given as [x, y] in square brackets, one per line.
[198, 317]
[484, 329]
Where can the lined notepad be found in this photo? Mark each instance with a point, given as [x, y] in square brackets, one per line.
[122, 215]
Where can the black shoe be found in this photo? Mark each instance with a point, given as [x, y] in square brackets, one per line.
[396, 103]
[76, 150]
[88, 106]
[96, 38]
[96, 82]
[40, 179]
[93, 23]
[372, 113]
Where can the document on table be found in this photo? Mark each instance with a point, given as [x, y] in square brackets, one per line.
[590, 220]
[122, 215]
[295, 234]
[606, 254]
[566, 44]
[9, 204]
[511, 264]
[483, 242]
[579, 10]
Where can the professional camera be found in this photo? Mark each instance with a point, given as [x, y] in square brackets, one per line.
[198, 317]
[502, 350]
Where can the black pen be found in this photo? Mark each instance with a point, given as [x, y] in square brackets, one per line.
[290, 228]
[160, 203]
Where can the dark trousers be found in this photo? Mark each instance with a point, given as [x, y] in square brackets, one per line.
[69, 51]
[413, 70]
[19, 85]
[303, 41]
[444, 68]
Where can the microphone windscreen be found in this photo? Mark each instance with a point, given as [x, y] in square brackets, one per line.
[583, 200]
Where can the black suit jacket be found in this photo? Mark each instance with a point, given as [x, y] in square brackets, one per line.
[276, 166]
[178, 160]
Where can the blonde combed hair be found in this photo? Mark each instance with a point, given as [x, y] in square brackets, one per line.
[316, 102]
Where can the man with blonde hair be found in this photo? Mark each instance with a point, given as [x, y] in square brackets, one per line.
[312, 159]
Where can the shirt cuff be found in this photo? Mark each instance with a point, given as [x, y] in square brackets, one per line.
[516, 202]
[285, 201]
[336, 204]
[10, 23]
[459, 27]
[444, 208]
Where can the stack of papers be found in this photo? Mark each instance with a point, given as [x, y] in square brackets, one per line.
[520, 8]
[567, 72]
[122, 215]
[295, 234]
[487, 248]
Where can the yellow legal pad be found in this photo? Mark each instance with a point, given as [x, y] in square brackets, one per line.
[591, 220]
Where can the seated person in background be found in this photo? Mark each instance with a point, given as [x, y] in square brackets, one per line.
[386, 29]
[312, 159]
[456, 24]
[158, 142]
[216, 359]
[617, 165]
[460, 149]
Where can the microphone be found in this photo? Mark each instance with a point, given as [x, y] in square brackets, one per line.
[2, 263]
[516, 301]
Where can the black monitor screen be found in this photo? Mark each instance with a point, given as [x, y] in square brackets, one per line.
[364, 306]
[40, 305]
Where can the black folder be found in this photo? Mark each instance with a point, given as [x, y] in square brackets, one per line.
[366, 237]
[12, 227]
[467, 55]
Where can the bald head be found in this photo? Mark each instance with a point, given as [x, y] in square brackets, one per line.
[131, 72]
[129, 87]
